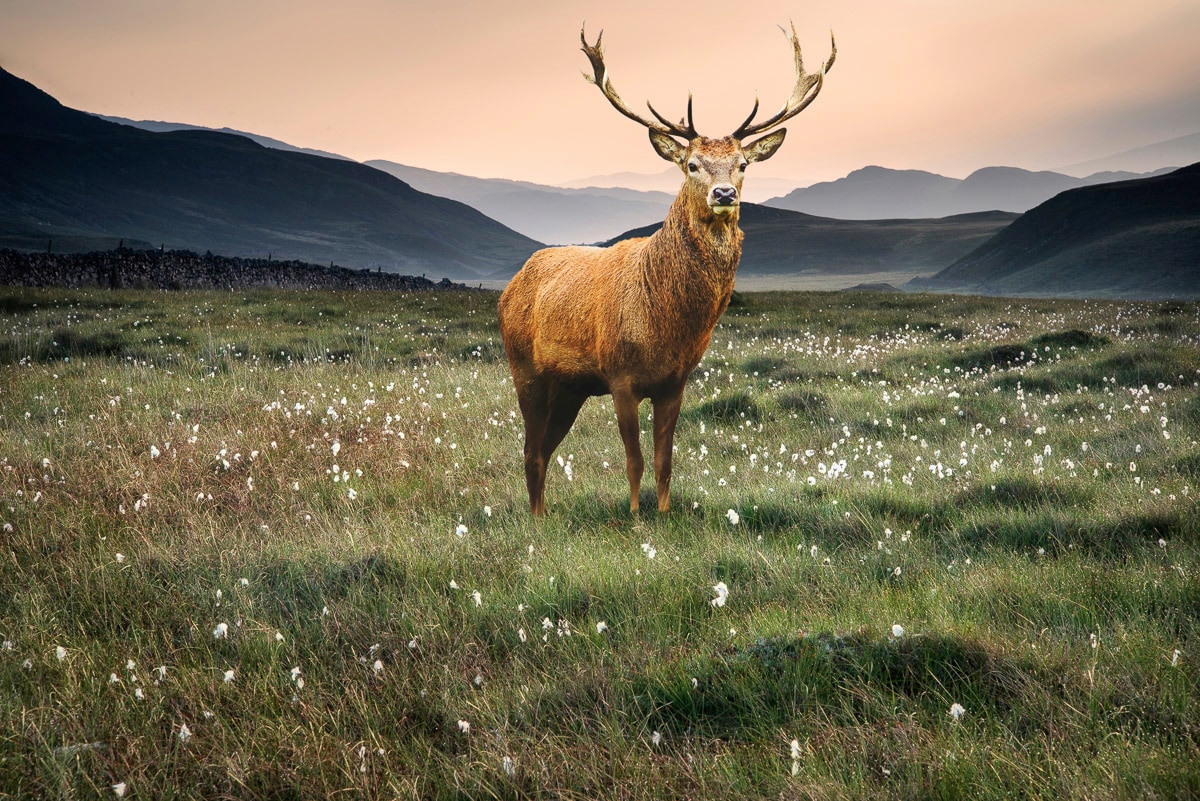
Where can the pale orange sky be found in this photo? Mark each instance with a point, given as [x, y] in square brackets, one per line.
[494, 88]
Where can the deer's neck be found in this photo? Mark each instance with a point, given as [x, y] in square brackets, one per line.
[691, 263]
[694, 258]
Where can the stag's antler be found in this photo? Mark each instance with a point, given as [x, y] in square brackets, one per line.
[595, 54]
[808, 86]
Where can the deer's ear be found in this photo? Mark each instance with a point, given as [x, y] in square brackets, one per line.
[763, 149]
[668, 148]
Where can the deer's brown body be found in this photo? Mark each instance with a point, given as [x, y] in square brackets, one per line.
[634, 319]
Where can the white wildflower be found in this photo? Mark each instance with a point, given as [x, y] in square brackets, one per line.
[722, 592]
[221, 631]
[897, 630]
[732, 517]
[957, 711]
[601, 627]
[464, 727]
[229, 676]
[185, 733]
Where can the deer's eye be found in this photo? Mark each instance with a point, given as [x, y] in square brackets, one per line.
[693, 167]
[742, 166]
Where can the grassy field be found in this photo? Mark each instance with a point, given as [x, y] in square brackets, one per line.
[271, 545]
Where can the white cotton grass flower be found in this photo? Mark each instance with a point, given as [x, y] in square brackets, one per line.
[453, 584]
[897, 630]
[722, 592]
[60, 652]
[509, 766]
[120, 558]
[1175, 657]
[464, 727]
[656, 738]
[221, 631]
[732, 516]
[487, 511]
[477, 597]
[649, 550]
[185, 733]
[957, 711]
[335, 447]
[795, 749]
[377, 667]
[119, 789]
[229, 676]
[601, 627]
[460, 530]
[154, 452]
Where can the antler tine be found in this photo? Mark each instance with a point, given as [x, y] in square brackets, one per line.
[595, 54]
[805, 91]
[678, 129]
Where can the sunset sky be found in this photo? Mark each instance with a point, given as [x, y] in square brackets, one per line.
[494, 88]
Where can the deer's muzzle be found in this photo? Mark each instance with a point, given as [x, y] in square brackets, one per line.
[723, 198]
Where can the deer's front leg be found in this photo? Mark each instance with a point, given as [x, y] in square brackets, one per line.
[666, 414]
[627, 421]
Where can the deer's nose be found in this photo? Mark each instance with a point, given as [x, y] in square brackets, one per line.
[724, 195]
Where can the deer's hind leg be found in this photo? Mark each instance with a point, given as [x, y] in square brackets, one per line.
[533, 396]
[626, 404]
[666, 415]
[564, 408]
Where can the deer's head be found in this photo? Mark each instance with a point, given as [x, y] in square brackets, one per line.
[714, 168]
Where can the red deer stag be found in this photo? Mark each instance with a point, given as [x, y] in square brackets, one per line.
[634, 319]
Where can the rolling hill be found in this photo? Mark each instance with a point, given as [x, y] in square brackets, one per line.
[880, 193]
[1130, 239]
[546, 213]
[83, 182]
[788, 242]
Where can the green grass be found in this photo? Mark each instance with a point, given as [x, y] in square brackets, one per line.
[332, 476]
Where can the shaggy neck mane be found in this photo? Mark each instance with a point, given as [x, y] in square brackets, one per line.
[690, 263]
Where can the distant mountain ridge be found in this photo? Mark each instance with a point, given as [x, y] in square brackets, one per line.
[875, 193]
[158, 126]
[782, 242]
[86, 183]
[1133, 239]
[546, 213]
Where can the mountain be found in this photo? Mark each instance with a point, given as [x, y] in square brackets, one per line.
[159, 126]
[546, 213]
[70, 177]
[781, 242]
[878, 192]
[1129, 239]
[1178, 151]
[757, 186]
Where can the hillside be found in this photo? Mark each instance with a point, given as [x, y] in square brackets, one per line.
[1132, 239]
[546, 213]
[880, 193]
[86, 183]
[787, 242]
